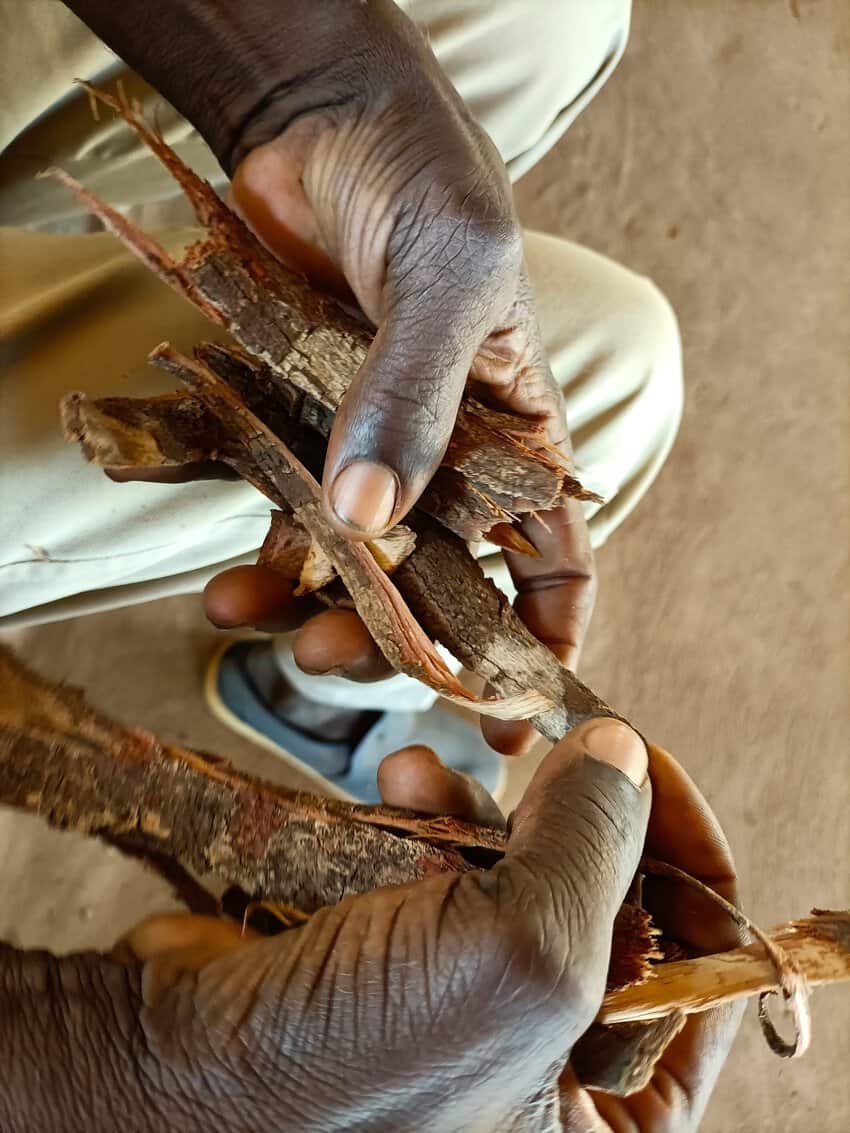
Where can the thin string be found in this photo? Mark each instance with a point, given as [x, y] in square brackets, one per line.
[792, 983]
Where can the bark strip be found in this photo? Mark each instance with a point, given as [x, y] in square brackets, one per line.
[309, 342]
[80, 770]
[440, 581]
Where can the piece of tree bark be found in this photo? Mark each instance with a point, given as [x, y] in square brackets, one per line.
[263, 458]
[80, 770]
[307, 340]
[440, 581]
[181, 811]
[304, 340]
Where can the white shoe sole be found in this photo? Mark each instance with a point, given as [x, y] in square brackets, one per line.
[222, 713]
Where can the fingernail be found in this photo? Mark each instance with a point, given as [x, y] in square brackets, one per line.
[364, 495]
[612, 741]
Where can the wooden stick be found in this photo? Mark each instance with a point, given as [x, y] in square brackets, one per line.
[818, 944]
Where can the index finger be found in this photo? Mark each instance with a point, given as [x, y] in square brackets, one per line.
[556, 592]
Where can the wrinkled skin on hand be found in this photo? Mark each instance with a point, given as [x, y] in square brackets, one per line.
[449, 1004]
[401, 202]
[405, 207]
[371, 177]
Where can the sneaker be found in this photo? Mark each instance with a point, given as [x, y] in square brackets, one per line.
[340, 751]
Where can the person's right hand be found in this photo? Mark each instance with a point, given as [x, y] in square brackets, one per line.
[447, 1004]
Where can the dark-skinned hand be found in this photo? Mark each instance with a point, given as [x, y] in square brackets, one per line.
[365, 170]
[450, 1004]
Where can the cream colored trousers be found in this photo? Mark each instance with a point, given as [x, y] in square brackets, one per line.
[77, 312]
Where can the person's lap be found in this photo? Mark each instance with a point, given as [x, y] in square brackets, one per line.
[74, 541]
[80, 313]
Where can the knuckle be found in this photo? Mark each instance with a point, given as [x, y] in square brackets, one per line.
[527, 965]
[460, 224]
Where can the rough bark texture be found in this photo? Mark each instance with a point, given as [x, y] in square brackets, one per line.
[185, 811]
[450, 598]
[458, 606]
[309, 342]
[81, 771]
[278, 401]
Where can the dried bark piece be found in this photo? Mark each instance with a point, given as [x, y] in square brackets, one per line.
[264, 460]
[308, 341]
[455, 604]
[440, 581]
[129, 432]
[317, 571]
[390, 551]
[286, 546]
[287, 549]
[80, 770]
[791, 981]
[477, 451]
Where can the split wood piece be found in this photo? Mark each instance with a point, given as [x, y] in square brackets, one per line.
[264, 460]
[819, 946]
[618, 1053]
[308, 340]
[440, 581]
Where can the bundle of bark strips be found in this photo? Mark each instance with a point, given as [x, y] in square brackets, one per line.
[265, 407]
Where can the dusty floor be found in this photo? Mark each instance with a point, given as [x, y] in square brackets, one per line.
[716, 162]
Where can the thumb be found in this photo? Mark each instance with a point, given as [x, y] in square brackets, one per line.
[575, 844]
[394, 424]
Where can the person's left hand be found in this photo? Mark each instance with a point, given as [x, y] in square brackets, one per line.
[388, 194]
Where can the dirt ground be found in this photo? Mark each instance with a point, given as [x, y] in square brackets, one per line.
[716, 162]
